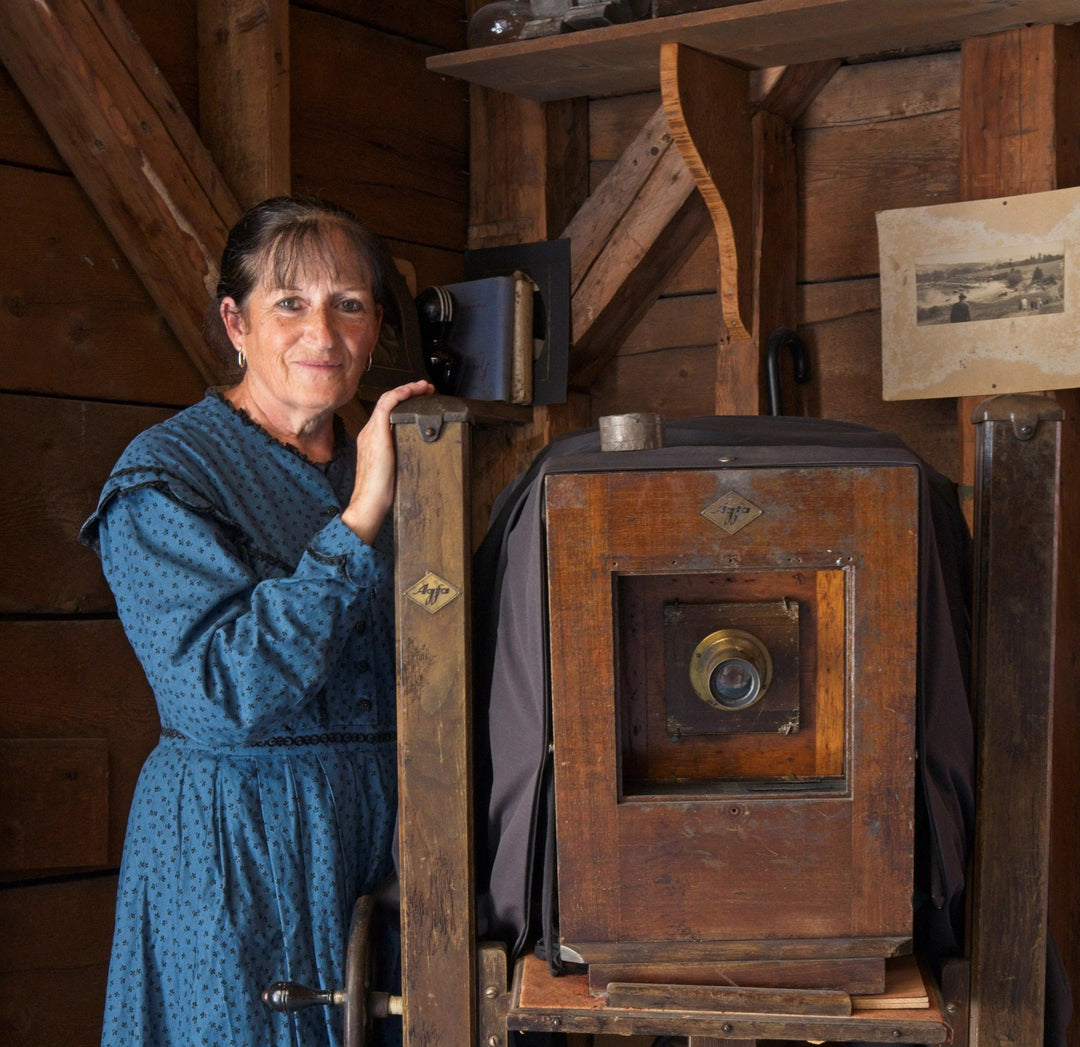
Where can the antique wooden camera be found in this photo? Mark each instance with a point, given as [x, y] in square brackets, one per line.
[733, 677]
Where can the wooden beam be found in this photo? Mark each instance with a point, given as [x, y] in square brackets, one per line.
[1016, 527]
[244, 93]
[642, 222]
[123, 134]
[1020, 133]
[742, 157]
[528, 167]
[435, 805]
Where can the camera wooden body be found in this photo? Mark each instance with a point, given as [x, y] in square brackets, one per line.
[712, 830]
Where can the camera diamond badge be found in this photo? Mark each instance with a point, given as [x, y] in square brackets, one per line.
[433, 593]
[731, 512]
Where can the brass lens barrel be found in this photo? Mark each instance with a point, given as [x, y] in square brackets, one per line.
[730, 669]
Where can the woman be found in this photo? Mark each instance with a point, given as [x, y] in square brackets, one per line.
[247, 545]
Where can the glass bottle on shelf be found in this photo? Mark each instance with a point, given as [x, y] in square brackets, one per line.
[498, 22]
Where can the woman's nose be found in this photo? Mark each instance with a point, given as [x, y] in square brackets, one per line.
[320, 326]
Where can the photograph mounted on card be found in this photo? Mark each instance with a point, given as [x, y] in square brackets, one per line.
[980, 297]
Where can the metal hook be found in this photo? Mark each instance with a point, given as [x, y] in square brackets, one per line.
[784, 336]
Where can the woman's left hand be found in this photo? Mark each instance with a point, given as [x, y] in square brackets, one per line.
[373, 492]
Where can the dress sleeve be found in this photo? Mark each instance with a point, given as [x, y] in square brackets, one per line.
[230, 656]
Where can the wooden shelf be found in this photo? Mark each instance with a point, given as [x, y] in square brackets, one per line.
[625, 58]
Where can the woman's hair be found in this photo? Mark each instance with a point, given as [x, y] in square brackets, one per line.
[275, 239]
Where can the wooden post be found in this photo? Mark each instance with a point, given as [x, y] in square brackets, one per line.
[1016, 524]
[1020, 133]
[528, 173]
[432, 579]
[244, 93]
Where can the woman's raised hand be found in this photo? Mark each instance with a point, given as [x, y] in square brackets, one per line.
[373, 492]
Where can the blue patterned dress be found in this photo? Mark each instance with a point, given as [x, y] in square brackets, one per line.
[264, 626]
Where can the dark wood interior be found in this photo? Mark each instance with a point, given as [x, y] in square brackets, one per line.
[103, 286]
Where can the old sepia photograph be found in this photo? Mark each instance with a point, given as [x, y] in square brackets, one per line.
[979, 297]
[995, 288]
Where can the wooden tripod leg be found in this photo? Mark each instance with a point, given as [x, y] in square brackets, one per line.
[433, 562]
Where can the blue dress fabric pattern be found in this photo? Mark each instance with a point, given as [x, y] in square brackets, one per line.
[265, 628]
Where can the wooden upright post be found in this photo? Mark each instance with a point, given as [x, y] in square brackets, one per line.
[244, 93]
[1020, 133]
[432, 565]
[1016, 525]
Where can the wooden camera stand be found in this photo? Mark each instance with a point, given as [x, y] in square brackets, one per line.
[838, 875]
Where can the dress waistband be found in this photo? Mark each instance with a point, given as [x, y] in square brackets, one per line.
[295, 740]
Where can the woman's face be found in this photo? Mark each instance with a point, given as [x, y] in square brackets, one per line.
[308, 344]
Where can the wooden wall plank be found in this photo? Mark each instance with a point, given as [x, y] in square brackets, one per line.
[440, 23]
[615, 122]
[691, 319]
[875, 92]
[396, 155]
[675, 384]
[849, 173]
[54, 954]
[22, 138]
[528, 170]
[56, 454]
[80, 679]
[75, 319]
[56, 803]
[168, 29]
[838, 299]
[846, 384]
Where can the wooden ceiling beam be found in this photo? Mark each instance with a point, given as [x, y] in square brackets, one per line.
[626, 241]
[120, 129]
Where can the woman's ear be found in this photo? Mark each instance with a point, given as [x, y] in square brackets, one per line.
[233, 320]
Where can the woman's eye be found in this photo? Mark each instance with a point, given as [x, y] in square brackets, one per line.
[289, 303]
[352, 305]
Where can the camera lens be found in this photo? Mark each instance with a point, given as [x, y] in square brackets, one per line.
[735, 683]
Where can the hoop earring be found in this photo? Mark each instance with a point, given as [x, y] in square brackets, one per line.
[241, 359]
[370, 362]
